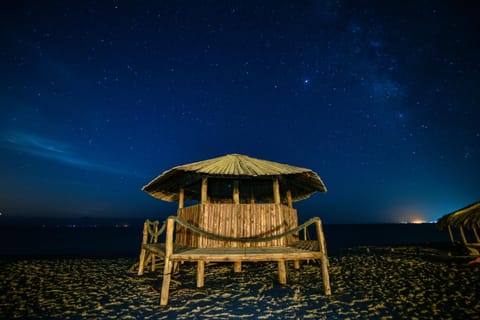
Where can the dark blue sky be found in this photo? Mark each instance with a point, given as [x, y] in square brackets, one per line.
[380, 98]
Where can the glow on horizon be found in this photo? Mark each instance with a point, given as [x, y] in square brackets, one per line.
[417, 221]
[414, 218]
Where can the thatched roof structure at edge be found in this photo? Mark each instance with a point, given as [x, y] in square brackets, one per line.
[254, 175]
[466, 217]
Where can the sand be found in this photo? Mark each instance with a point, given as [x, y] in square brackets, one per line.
[367, 283]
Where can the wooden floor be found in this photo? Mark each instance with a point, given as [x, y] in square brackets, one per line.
[304, 248]
[244, 254]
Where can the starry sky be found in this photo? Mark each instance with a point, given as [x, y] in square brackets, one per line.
[380, 98]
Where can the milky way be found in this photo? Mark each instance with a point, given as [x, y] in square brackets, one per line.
[380, 99]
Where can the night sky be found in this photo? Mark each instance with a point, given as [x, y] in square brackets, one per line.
[380, 98]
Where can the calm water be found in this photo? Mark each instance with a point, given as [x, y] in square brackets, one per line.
[33, 238]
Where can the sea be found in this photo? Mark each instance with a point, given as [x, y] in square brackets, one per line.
[93, 237]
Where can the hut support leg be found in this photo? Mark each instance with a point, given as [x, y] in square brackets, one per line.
[153, 262]
[237, 266]
[322, 246]
[176, 267]
[296, 264]
[451, 234]
[200, 273]
[464, 239]
[325, 276]
[282, 272]
[475, 232]
[166, 282]
[141, 262]
[167, 271]
[143, 252]
[147, 260]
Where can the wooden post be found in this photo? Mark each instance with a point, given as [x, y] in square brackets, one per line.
[141, 262]
[204, 198]
[464, 239]
[322, 246]
[181, 198]
[476, 233]
[155, 240]
[237, 265]
[276, 191]
[282, 272]
[168, 264]
[451, 234]
[200, 273]
[289, 199]
[252, 199]
[236, 192]
[296, 263]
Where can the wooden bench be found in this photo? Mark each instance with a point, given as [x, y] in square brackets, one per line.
[295, 252]
[151, 248]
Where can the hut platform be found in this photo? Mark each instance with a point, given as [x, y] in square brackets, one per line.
[245, 250]
[237, 255]
[245, 254]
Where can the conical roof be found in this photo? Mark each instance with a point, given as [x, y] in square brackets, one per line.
[466, 217]
[254, 175]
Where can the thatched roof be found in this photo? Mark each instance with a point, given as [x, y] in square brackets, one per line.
[466, 217]
[254, 175]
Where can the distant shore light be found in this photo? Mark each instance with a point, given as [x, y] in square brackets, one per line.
[417, 221]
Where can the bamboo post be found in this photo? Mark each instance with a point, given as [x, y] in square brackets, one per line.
[476, 234]
[155, 240]
[289, 199]
[296, 263]
[464, 239]
[181, 231]
[322, 246]
[282, 272]
[200, 273]
[237, 265]
[181, 198]
[276, 191]
[168, 264]
[451, 234]
[204, 198]
[236, 192]
[141, 262]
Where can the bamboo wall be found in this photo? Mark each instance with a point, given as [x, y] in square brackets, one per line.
[192, 215]
[237, 220]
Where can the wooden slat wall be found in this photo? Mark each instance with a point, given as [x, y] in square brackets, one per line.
[237, 220]
[184, 236]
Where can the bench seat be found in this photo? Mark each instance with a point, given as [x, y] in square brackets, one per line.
[244, 254]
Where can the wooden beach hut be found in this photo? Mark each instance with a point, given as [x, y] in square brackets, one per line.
[239, 209]
[467, 217]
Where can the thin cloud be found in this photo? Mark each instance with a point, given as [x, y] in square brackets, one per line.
[55, 150]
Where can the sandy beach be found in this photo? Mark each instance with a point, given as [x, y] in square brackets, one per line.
[408, 282]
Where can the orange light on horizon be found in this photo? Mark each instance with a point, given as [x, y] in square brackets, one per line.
[417, 221]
